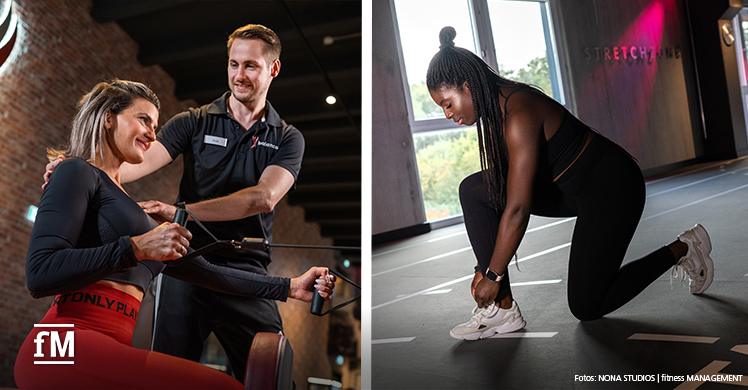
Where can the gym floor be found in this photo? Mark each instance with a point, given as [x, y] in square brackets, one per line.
[421, 289]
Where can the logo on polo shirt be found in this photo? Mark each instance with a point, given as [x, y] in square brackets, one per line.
[256, 141]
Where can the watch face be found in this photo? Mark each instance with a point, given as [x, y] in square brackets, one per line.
[492, 275]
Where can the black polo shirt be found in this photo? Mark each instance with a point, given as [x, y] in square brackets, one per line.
[221, 157]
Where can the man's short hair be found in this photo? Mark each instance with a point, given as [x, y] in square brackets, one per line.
[258, 31]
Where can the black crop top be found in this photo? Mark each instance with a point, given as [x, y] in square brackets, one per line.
[82, 235]
[566, 143]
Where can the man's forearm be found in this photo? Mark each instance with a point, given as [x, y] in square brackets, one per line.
[261, 198]
[241, 204]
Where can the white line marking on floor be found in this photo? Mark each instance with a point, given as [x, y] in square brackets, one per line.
[696, 202]
[524, 335]
[445, 236]
[535, 229]
[545, 252]
[445, 291]
[406, 246]
[743, 348]
[536, 282]
[433, 290]
[720, 165]
[673, 337]
[395, 250]
[696, 182]
[432, 258]
[437, 257]
[394, 340]
[438, 286]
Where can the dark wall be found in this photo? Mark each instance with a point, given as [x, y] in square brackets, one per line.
[718, 78]
[631, 75]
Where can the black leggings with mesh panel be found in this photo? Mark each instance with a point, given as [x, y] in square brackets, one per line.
[605, 190]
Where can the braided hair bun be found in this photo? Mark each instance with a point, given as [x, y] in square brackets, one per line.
[447, 37]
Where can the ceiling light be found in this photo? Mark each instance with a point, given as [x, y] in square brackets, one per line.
[331, 100]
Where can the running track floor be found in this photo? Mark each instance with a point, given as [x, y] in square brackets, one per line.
[421, 290]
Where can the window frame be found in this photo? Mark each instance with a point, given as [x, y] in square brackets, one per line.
[482, 32]
[483, 37]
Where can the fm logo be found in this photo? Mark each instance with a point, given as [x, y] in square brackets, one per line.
[54, 344]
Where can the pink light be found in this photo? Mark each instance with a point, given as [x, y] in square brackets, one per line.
[647, 30]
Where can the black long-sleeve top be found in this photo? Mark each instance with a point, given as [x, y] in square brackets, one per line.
[82, 235]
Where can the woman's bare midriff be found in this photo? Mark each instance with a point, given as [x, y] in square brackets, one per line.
[128, 289]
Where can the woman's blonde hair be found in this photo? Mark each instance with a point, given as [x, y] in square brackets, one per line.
[88, 129]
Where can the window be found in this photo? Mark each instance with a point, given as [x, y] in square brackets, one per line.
[741, 50]
[419, 23]
[522, 37]
[514, 36]
[444, 158]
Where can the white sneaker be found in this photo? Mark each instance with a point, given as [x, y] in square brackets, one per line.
[489, 321]
[697, 263]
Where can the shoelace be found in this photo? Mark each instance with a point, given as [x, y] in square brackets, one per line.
[679, 270]
[480, 313]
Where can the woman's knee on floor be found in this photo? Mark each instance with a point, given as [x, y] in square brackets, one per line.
[585, 308]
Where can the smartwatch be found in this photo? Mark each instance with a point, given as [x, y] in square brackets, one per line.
[490, 275]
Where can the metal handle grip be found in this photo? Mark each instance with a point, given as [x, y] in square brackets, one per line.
[317, 303]
[180, 216]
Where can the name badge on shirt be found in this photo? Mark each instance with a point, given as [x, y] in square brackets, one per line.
[213, 140]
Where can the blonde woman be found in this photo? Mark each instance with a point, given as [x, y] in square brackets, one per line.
[94, 248]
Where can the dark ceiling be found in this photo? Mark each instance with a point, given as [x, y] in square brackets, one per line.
[187, 38]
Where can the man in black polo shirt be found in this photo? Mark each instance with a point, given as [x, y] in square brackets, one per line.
[240, 159]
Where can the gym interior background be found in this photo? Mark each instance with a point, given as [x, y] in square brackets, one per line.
[666, 79]
[59, 49]
[655, 76]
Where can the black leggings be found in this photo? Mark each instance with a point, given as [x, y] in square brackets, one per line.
[605, 190]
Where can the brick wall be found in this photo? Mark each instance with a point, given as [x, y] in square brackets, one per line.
[61, 54]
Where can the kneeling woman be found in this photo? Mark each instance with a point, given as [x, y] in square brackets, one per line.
[95, 249]
[538, 158]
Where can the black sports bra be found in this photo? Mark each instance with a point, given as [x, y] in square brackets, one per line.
[568, 141]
